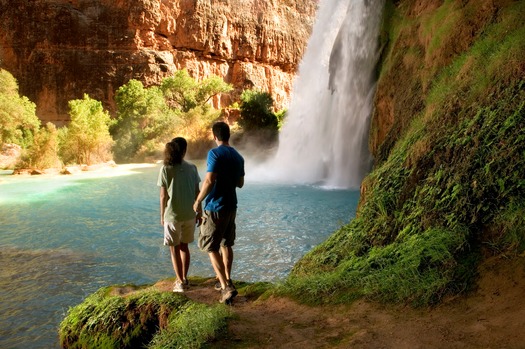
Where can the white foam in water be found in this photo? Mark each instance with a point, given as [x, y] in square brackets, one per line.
[324, 139]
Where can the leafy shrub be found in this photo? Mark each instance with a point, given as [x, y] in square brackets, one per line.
[18, 121]
[86, 139]
[142, 116]
[43, 153]
[256, 111]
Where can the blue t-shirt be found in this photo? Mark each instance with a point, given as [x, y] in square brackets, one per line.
[228, 165]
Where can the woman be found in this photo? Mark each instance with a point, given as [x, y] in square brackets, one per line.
[179, 187]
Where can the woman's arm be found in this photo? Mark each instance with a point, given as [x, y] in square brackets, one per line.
[163, 202]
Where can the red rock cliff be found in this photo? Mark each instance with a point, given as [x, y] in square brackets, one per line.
[60, 49]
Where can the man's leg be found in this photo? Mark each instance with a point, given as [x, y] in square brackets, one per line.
[227, 260]
[229, 240]
[210, 236]
[228, 292]
[218, 267]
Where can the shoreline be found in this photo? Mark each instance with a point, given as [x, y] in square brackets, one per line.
[74, 169]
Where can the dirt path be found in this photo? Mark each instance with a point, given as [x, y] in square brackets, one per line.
[492, 317]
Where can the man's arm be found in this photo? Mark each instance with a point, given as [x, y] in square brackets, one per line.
[240, 182]
[163, 201]
[207, 185]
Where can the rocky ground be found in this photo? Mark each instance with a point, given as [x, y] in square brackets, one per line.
[492, 316]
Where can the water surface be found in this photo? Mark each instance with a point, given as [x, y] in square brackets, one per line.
[64, 237]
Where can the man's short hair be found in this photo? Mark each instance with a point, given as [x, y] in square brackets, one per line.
[221, 130]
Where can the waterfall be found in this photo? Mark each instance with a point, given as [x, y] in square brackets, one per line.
[325, 137]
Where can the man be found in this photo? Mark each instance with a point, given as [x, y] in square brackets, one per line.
[225, 173]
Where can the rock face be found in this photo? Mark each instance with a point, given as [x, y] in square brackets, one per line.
[415, 57]
[60, 49]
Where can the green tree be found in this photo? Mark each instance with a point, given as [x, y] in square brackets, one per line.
[210, 87]
[18, 120]
[87, 139]
[180, 91]
[147, 117]
[43, 153]
[185, 93]
[142, 117]
[256, 111]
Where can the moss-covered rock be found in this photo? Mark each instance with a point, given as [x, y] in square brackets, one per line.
[140, 317]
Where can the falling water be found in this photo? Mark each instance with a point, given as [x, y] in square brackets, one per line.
[324, 139]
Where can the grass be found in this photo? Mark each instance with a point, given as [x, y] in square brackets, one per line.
[145, 318]
[505, 235]
[191, 326]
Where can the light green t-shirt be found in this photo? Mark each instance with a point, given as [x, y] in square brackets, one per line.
[181, 182]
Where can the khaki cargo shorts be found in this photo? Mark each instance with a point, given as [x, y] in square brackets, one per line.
[217, 229]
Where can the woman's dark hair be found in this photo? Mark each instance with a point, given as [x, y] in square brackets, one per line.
[181, 142]
[174, 151]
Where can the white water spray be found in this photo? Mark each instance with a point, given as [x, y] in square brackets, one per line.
[324, 139]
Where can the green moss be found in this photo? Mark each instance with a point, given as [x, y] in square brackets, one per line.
[394, 26]
[440, 26]
[104, 320]
[257, 290]
[505, 234]
[492, 61]
[192, 326]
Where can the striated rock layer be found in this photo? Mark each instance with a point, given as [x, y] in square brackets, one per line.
[60, 49]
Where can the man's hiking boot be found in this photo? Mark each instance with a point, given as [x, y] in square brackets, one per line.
[228, 294]
[218, 285]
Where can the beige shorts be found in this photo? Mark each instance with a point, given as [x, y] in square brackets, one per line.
[177, 232]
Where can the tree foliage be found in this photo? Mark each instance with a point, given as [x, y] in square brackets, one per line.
[281, 116]
[256, 111]
[184, 93]
[43, 153]
[18, 120]
[142, 116]
[149, 116]
[146, 117]
[87, 137]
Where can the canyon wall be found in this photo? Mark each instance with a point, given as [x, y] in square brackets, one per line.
[414, 57]
[60, 49]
